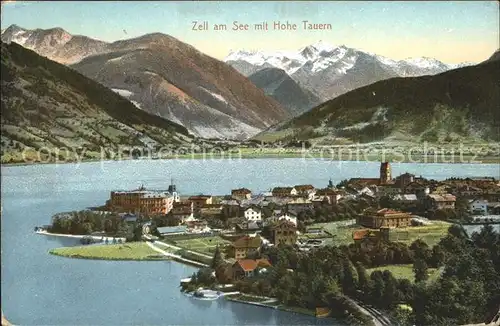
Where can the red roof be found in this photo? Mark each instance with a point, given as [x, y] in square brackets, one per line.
[249, 265]
[358, 235]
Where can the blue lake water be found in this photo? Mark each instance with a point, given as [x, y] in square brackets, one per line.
[41, 289]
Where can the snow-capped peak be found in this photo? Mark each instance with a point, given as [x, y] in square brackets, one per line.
[424, 62]
[321, 46]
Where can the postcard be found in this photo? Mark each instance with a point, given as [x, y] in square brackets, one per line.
[250, 163]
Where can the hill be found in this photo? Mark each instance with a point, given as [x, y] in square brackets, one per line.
[277, 84]
[460, 104]
[165, 77]
[48, 105]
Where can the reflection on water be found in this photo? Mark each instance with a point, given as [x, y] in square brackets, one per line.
[61, 241]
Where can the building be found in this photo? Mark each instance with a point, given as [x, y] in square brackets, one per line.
[241, 194]
[440, 201]
[172, 230]
[284, 233]
[389, 190]
[141, 201]
[404, 180]
[284, 192]
[385, 173]
[248, 267]
[305, 190]
[384, 218]
[331, 196]
[210, 211]
[253, 213]
[182, 211]
[479, 207]
[290, 217]
[230, 208]
[200, 201]
[406, 199]
[246, 245]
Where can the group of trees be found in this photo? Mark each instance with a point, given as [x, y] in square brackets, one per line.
[467, 290]
[87, 222]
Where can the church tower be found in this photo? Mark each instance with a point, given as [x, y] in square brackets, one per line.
[172, 189]
[385, 173]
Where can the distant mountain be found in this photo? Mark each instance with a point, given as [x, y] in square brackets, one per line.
[329, 71]
[166, 77]
[277, 84]
[460, 104]
[47, 105]
[55, 43]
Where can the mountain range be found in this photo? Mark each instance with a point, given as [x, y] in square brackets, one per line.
[457, 105]
[163, 76]
[47, 105]
[329, 71]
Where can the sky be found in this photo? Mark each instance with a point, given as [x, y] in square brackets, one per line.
[450, 31]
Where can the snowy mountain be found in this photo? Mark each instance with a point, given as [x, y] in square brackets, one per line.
[329, 70]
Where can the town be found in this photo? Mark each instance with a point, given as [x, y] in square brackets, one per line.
[399, 224]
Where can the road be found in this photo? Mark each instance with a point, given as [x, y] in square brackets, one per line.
[174, 256]
[378, 317]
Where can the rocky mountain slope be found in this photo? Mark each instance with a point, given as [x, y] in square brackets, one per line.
[47, 105]
[277, 84]
[460, 104]
[166, 77]
[329, 71]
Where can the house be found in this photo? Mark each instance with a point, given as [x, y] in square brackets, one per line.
[241, 194]
[383, 218]
[200, 201]
[284, 232]
[305, 191]
[248, 226]
[440, 201]
[403, 180]
[284, 191]
[182, 211]
[246, 245]
[282, 216]
[407, 199]
[389, 190]
[417, 188]
[196, 225]
[210, 211]
[479, 207]
[248, 267]
[230, 208]
[328, 195]
[253, 213]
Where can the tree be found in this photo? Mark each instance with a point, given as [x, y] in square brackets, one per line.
[363, 280]
[223, 273]
[420, 270]
[217, 258]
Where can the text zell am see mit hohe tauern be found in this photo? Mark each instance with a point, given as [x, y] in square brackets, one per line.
[263, 26]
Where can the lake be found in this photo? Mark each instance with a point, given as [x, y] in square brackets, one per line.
[41, 289]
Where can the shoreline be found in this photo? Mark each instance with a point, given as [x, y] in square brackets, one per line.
[79, 236]
[417, 159]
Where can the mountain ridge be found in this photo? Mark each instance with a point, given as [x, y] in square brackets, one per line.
[329, 71]
[461, 103]
[48, 105]
[164, 76]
